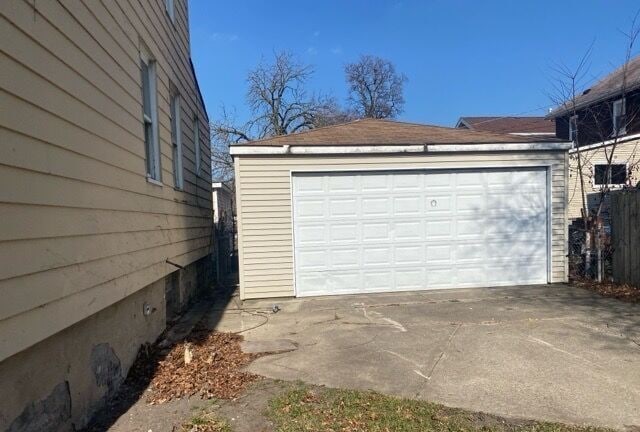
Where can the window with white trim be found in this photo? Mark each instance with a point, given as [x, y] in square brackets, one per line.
[611, 175]
[573, 128]
[176, 142]
[150, 116]
[196, 142]
[619, 117]
[170, 7]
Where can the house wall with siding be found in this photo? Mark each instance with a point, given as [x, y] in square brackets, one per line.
[82, 228]
[595, 121]
[263, 202]
[625, 153]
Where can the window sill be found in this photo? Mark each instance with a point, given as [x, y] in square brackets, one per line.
[154, 181]
[621, 134]
[616, 186]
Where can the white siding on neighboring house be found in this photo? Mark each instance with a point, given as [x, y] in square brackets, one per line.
[627, 153]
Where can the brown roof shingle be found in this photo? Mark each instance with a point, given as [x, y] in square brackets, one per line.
[390, 132]
[606, 88]
[510, 124]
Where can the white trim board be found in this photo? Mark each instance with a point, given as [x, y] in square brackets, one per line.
[248, 149]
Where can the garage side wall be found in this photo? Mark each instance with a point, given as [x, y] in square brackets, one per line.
[265, 232]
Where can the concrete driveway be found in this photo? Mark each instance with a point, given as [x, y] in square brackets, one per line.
[546, 352]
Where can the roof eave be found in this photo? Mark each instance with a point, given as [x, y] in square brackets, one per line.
[240, 150]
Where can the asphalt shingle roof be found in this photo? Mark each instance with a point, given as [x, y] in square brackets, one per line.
[390, 132]
[506, 125]
[606, 88]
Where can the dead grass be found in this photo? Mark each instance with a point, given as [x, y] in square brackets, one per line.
[622, 292]
[312, 409]
[206, 422]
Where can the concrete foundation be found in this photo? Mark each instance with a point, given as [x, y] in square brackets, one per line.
[58, 384]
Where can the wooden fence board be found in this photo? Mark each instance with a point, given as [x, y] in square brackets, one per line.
[625, 232]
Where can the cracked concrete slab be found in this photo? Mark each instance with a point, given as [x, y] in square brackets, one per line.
[268, 346]
[547, 352]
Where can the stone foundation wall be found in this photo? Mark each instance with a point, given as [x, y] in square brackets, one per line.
[58, 384]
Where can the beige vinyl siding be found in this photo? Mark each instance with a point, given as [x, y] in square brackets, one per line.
[625, 153]
[82, 228]
[263, 189]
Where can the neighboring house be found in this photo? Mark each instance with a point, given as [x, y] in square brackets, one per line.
[105, 203]
[533, 126]
[596, 121]
[379, 205]
[223, 213]
[225, 239]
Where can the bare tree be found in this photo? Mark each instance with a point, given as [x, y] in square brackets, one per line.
[330, 113]
[375, 88]
[596, 123]
[279, 105]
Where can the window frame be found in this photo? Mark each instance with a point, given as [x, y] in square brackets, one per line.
[573, 128]
[196, 144]
[170, 8]
[153, 166]
[176, 141]
[609, 184]
[618, 130]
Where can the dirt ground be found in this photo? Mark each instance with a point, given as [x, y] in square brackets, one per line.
[244, 414]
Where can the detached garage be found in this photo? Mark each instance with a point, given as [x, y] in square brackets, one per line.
[382, 206]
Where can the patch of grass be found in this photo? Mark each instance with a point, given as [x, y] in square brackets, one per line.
[307, 409]
[206, 422]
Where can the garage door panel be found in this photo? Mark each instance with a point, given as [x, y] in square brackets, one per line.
[410, 279]
[439, 229]
[341, 232]
[370, 232]
[407, 206]
[309, 208]
[376, 206]
[347, 257]
[438, 204]
[376, 256]
[409, 254]
[308, 185]
[438, 255]
[407, 182]
[408, 230]
[337, 184]
[375, 183]
[378, 280]
[376, 231]
[343, 207]
[313, 234]
[309, 260]
[439, 181]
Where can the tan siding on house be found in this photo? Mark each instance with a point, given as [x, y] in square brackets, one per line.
[264, 206]
[82, 228]
[625, 153]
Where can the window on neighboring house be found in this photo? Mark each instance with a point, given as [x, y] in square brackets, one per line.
[176, 141]
[573, 128]
[616, 175]
[150, 117]
[619, 117]
[170, 7]
[196, 142]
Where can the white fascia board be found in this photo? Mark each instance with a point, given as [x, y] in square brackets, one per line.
[593, 146]
[301, 149]
[240, 150]
[499, 147]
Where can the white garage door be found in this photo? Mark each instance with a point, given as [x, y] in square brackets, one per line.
[415, 230]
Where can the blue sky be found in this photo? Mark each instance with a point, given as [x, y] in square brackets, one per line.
[461, 57]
